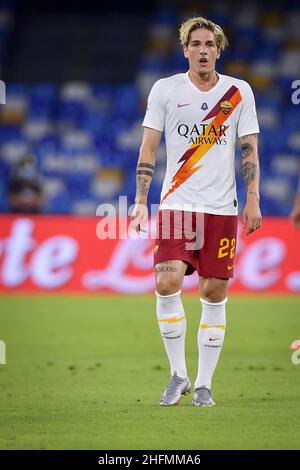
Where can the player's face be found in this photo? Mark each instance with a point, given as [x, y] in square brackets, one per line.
[202, 51]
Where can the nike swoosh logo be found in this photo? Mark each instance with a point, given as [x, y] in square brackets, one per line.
[214, 339]
[230, 266]
[182, 105]
[169, 332]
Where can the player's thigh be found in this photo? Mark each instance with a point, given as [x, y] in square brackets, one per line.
[213, 289]
[169, 276]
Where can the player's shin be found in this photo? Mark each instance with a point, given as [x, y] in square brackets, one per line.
[172, 325]
[210, 340]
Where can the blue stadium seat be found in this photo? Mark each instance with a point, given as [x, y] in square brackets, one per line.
[60, 204]
[42, 101]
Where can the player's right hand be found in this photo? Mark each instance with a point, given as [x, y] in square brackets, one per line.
[139, 218]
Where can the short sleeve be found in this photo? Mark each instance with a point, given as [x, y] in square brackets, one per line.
[247, 123]
[156, 111]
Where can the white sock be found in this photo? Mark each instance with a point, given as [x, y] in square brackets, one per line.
[210, 340]
[172, 325]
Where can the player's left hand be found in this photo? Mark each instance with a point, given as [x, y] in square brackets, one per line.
[251, 214]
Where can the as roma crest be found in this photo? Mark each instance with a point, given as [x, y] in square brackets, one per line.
[226, 106]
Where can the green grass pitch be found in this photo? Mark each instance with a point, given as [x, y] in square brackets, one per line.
[87, 373]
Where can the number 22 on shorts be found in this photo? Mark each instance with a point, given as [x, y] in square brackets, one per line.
[226, 247]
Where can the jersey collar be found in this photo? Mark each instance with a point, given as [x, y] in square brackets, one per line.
[198, 89]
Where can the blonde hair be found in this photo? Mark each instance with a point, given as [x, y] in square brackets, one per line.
[199, 22]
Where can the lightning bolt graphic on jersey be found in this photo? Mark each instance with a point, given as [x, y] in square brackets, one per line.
[197, 151]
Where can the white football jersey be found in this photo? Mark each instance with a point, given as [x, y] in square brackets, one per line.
[201, 128]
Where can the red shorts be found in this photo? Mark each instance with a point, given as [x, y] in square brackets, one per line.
[211, 253]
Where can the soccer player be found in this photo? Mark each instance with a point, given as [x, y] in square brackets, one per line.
[202, 113]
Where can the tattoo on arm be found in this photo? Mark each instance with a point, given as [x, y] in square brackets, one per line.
[142, 185]
[145, 169]
[249, 172]
[146, 165]
[247, 147]
[144, 172]
[249, 168]
[246, 150]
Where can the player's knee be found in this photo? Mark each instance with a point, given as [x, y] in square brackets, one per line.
[167, 285]
[214, 290]
[214, 297]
